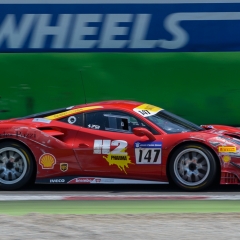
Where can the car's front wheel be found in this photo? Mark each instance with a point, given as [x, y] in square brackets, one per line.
[16, 165]
[192, 167]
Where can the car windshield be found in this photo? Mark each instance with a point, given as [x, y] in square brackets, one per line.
[172, 123]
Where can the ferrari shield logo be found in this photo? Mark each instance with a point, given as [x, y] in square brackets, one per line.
[63, 167]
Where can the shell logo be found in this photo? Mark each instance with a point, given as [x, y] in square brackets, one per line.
[47, 161]
[226, 158]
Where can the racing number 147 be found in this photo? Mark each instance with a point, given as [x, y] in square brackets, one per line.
[148, 156]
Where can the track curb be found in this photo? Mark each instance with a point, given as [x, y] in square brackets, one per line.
[104, 197]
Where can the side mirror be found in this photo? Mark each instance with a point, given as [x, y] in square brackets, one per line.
[139, 131]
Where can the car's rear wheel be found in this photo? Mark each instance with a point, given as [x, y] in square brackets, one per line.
[192, 167]
[16, 165]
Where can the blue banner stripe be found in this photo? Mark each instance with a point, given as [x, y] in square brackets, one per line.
[189, 27]
[115, 1]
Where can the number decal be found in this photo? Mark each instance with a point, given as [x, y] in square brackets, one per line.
[148, 155]
[144, 112]
[140, 155]
[157, 151]
[148, 152]
[147, 110]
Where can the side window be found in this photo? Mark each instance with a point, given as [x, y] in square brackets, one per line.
[95, 120]
[117, 123]
[112, 121]
[76, 119]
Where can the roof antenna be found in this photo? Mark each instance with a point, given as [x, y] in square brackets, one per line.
[84, 93]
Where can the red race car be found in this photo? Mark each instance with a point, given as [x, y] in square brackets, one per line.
[116, 142]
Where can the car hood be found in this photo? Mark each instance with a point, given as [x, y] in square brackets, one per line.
[224, 130]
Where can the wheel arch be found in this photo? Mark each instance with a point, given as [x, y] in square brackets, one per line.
[217, 181]
[30, 151]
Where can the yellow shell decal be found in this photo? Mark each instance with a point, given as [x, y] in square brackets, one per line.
[47, 161]
[226, 158]
[147, 110]
[70, 112]
[121, 160]
[227, 149]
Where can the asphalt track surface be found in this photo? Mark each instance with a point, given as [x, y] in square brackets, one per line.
[118, 199]
[152, 219]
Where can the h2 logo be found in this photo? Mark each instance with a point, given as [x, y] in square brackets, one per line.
[103, 147]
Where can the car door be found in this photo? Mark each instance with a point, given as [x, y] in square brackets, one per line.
[106, 146]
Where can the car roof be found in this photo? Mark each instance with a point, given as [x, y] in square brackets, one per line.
[120, 104]
[125, 104]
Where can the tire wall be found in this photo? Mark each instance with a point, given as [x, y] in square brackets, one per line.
[196, 75]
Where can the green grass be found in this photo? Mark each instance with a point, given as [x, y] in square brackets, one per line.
[202, 87]
[117, 207]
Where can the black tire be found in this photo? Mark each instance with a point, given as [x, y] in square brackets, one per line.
[16, 166]
[192, 167]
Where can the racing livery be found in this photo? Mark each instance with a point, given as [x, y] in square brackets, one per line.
[116, 142]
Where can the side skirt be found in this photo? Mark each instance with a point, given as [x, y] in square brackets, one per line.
[93, 180]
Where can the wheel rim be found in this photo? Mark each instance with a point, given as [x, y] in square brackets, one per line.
[191, 167]
[13, 165]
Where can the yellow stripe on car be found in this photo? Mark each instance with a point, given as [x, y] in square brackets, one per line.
[70, 112]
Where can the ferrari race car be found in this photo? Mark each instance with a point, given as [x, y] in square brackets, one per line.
[116, 142]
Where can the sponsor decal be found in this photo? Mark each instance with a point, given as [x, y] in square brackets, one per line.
[147, 110]
[227, 149]
[93, 126]
[25, 135]
[226, 158]
[103, 146]
[71, 112]
[118, 156]
[42, 120]
[5, 134]
[148, 152]
[57, 180]
[72, 119]
[81, 180]
[98, 180]
[95, 180]
[63, 167]
[109, 180]
[47, 161]
[18, 134]
[120, 160]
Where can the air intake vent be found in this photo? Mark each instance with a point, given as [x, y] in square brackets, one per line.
[51, 131]
[229, 178]
[233, 136]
